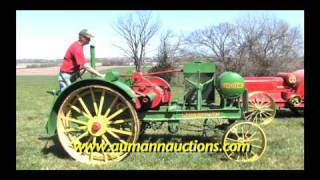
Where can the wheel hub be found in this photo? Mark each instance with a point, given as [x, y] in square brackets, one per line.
[97, 126]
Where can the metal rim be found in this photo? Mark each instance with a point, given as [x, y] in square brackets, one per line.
[246, 132]
[96, 114]
[261, 108]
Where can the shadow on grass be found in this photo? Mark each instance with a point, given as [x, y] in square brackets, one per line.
[286, 113]
[53, 146]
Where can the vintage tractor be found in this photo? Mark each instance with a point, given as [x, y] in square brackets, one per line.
[284, 90]
[117, 108]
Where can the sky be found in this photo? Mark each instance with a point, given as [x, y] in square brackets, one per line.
[48, 34]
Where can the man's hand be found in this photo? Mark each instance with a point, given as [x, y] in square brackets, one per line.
[101, 75]
[92, 71]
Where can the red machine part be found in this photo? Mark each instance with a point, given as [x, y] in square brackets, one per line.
[157, 87]
[299, 75]
[289, 78]
[283, 88]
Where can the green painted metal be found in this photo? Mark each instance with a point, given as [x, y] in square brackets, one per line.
[112, 76]
[118, 85]
[230, 84]
[199, 76]
[199, 66]
[199, 87]
[92, 57]
[173, 126]
[127, 80]
[151, 96]
[125, 89]
[178, 115]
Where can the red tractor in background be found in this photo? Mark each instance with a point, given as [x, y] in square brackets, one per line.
[284, 90]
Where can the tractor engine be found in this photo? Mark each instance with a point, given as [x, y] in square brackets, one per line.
[152, 91]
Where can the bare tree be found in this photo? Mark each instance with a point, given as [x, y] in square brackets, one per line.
[137, 32]
[253, 45]
[265, 44]
[168, 49]
[216, 39]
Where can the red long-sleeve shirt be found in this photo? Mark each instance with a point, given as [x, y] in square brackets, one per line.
[74, 58]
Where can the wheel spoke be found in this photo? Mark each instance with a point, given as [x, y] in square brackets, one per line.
[250, 115]
[64, 122]
[90, 139]
[84, 106]
[267, 115]
[117, 137]
[91, 156]
[267, 109]
[261, 119]
[255, 119]
[119, 131]
[259, 101]
[101, 102]
[75, 129]
[104, 137]
[234, 131]
[266, 104]
[74, 120]
[81, 136]
[117, 113]
[254, 154]
[119, 121]
[229, 155]
[238, 156]
[78, 110]
[247, 131]
[94, 101]
[252, 135]
[111, 105]
[257, 146]
[234, 140]
[242, 132]
[256, 139]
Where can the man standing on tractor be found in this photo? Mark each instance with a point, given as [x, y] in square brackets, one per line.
[74, 61]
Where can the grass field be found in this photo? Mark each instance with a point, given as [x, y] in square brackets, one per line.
[285, 139]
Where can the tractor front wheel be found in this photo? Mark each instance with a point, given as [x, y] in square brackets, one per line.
[248, 139]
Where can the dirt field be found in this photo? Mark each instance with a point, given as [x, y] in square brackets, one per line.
[51, 71]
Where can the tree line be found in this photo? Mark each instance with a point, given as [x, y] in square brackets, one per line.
[259, 45]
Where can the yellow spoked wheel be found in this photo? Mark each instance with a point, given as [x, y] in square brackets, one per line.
[99, 115]
[244, 133]
[261, 108]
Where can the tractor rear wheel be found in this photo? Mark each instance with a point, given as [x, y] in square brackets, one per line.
[261, 108]
[97, 115]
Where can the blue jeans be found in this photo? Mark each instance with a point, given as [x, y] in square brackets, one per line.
[65, 79]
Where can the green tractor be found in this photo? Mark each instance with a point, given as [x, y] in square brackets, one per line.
[119, 107]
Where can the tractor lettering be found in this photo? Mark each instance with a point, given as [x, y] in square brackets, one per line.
[232, 85]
